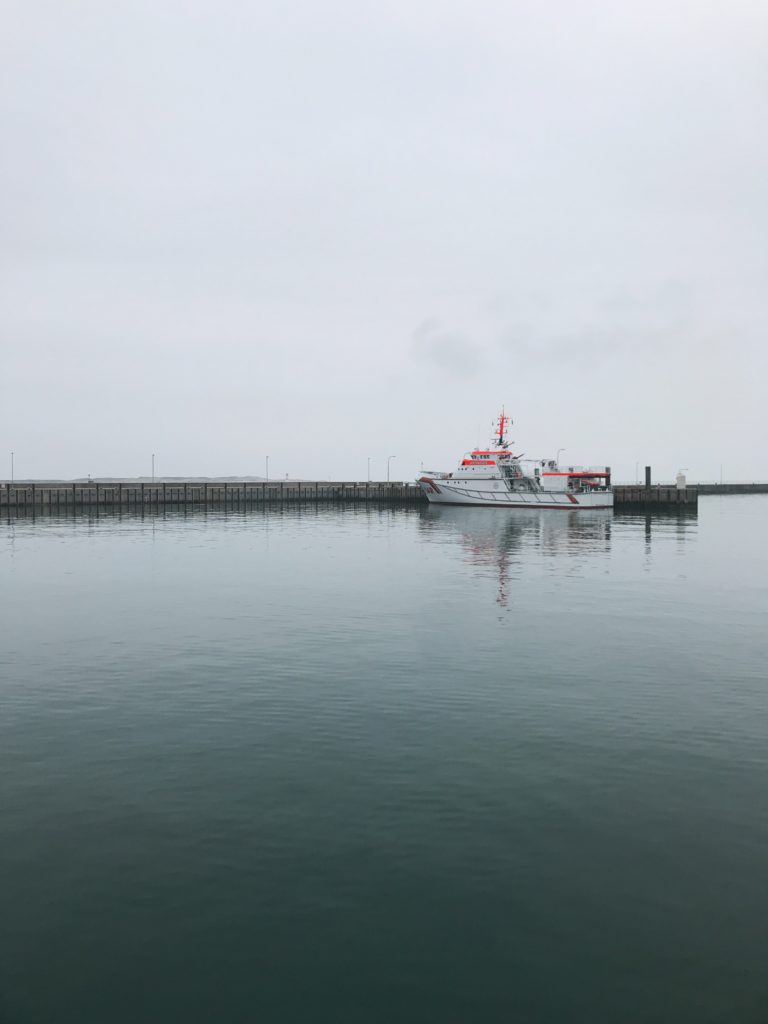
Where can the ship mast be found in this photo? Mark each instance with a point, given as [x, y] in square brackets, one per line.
[500, 438]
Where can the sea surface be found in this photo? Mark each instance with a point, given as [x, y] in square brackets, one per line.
[385, 765]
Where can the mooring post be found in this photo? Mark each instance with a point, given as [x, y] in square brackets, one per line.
[648, 477]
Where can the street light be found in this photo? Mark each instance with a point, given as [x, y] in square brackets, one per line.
[369, 469]
[153, 467]
[11, 467]
[389, 458]
[557, 457]
[267, 461]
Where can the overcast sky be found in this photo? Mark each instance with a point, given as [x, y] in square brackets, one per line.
[328, 231]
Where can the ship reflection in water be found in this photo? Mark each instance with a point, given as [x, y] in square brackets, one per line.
[515, 542]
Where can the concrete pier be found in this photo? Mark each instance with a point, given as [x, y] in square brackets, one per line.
[62, 495]
[733, 488]
[650, 496]
[654, 496]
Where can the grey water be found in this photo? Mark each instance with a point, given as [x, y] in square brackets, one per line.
[377, 764]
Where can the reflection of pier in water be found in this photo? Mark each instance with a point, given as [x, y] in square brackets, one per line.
[495, 538]
[664, 523]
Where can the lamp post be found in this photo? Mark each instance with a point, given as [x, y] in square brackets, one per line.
[636, 479]
[389, 459]
[11, 467]
[369, 469]
[557, 457]
[266, 457]
[153, 467]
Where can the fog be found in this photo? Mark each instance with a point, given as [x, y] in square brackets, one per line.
[327, 233]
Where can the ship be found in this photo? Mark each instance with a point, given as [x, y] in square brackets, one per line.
[497, 478]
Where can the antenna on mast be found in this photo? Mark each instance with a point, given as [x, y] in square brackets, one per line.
[500, 435]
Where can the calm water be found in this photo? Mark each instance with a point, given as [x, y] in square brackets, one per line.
[385, 765]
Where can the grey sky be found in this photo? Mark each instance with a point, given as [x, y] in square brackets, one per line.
[328, 231]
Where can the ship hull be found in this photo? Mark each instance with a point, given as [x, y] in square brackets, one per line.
[495, 494]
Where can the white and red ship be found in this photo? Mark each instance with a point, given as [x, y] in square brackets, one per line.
[496, 477]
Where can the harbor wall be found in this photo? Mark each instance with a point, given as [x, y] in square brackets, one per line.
[130, 494]
[733, 488]
[658, 495]
[64, 495]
